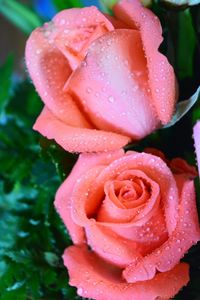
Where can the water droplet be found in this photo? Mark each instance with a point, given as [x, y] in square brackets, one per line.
[148, 91]
[89, 90]
[80, 291]
[111, 99]
[169, 262]
[47, 33]
[62, 22]
[126, 62]
[38, 51]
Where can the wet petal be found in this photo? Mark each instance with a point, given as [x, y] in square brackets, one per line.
[138, 214]
[180, 166]
[98, 280]
[63, 195]
[74, 139]
[76, 29]
[111, 246]
[160, 72]
[112, 85]
[186, 234]
[155, 169]
[49, 70]
[197, 142]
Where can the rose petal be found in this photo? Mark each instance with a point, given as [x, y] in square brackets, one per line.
[154, 168]
[63, 195]
[160, 72]
[180, 166]
[196, 131]
[74, 139]
[156, 152]
[138, 215]
[112, 85]
[125, 245]
[49, 71]
[96, 279]
[76, 29]
[118, 24]
[118, 251]
[148, 237]
[111, 246]
[186, 234]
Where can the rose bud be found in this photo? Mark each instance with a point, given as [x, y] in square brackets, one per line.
[102, 79]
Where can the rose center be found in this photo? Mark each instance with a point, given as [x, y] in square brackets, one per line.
[130, 193]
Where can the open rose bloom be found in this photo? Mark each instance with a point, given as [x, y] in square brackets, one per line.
[132, 217]
[102, 79]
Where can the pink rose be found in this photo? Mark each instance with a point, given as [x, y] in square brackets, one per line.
[197, 143]
[131, 220]
[102, 78]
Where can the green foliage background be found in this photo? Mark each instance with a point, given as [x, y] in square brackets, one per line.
[32, 237]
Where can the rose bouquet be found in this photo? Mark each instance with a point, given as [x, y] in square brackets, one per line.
[121, 124]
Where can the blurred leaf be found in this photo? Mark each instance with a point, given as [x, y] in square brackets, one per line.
[182, 2]
[108, 3]
[186, 45]
[20, 15]
[5, 86]
[51, 258]
[182, 108]
[62, 160]
[64, 4]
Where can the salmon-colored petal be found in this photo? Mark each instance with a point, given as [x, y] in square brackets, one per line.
[112, 85]
[196, 131]
[76, 29]
[102, 236]
[155, 169]
[180, 166]
[186, 234]
[63, 207]
[156, 152]
[96, 279]
[147, 237]
[123, 246]
[138, 215]
[49, 70]
[111, 246]
[75, 139]
[118, 24]
[63, 196]
[160, 72]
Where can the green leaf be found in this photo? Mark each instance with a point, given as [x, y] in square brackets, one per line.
[51, 258]
[186, 45]
[183, 107]
[108, 3]
[5, 79]
[16, 286]
[20, 15]
[64, 4]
